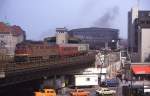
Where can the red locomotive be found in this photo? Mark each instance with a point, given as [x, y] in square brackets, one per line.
[39, 50]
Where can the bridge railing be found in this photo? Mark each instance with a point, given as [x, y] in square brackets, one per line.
[13, 67]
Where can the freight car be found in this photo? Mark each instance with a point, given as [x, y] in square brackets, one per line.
[39, 50]
[73, 49]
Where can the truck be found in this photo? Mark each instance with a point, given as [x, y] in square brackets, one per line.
[86, 80]
[112, 82]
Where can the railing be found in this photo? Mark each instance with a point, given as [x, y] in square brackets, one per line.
[13, 67]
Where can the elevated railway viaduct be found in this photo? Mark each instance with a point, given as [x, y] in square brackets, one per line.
[15, 73]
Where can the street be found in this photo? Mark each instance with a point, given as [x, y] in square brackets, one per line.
[91, 90]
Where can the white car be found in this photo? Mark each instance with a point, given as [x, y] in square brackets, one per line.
[105, 92]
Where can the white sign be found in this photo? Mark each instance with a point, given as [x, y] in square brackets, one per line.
[86, 80]
[94, 71]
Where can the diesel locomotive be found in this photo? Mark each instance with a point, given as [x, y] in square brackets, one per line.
[40, 50]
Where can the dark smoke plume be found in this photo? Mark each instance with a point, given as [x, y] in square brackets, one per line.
[107, 19]
[89, 6]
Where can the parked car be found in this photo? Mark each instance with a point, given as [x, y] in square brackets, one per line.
[80, 92]
[105, 92]
[112, 82]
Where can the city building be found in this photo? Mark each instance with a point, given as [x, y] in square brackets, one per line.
[132, 36]
[143, 36]
[9, 37]
[97, 38]
[61, 36]
[138, 34]
[71, 39]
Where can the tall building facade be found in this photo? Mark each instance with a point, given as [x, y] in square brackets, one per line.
[9, 37]
[143, 23]
[61, 36]
[132, 32]
[97, 38]
[138, 34]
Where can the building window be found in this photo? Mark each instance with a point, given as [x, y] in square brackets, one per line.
[87, 79]
[1, 36]
[149, 14]
[148, 22]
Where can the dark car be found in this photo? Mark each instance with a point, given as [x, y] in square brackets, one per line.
[112, 82]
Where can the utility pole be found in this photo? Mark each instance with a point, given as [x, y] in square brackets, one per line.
[100, 61]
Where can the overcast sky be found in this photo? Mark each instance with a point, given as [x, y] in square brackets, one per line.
[39, 18]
